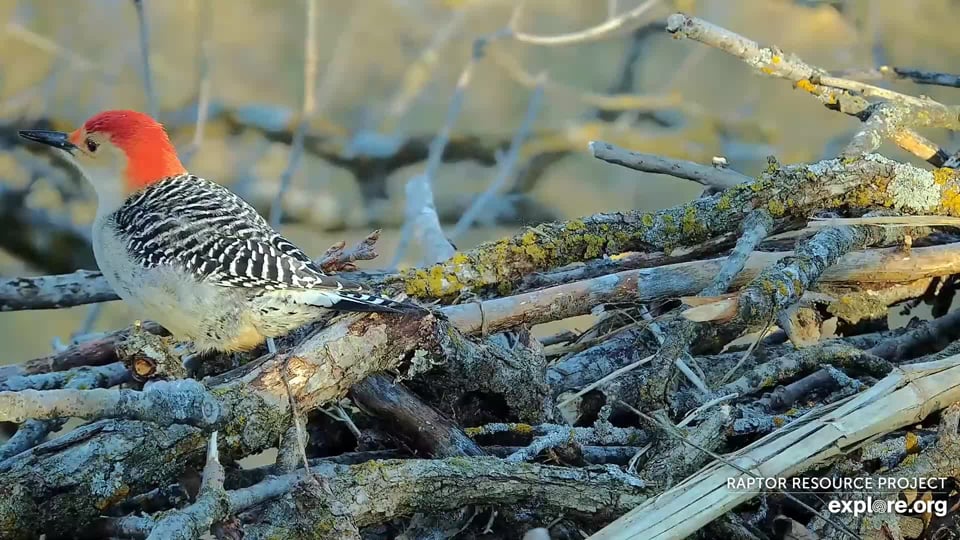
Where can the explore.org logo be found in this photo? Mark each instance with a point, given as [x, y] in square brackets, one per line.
[882, 506]
[880, 494]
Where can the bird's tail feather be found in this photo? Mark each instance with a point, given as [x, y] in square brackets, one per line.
[364, 302]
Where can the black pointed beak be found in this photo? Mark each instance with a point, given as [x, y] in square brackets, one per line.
[56, 139]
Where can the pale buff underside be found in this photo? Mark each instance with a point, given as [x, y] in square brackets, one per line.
[209, 316]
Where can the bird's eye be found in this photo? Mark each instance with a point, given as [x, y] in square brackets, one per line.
[92, 145]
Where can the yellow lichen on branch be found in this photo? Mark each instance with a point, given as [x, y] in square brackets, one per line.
[786, 191]
[949, 182]
[807, 86]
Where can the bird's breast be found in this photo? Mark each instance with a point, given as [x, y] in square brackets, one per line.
[170, 296]
[118, 266]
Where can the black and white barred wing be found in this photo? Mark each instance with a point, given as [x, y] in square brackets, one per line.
[255, 264]
[211, 233]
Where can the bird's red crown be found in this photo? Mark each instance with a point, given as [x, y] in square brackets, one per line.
[150, 154]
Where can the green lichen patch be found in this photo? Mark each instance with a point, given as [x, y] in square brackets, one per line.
[776, 208]
[691, 225]
[503, 262]
[913, 189]
[856, 307]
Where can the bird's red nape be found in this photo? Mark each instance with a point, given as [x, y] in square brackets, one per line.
[150, 154]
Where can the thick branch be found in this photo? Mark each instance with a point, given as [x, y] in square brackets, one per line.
[185, 401]
[85, 377]
[53, 292]
[682, 334]
[782, 285]
[250, 408]
[379, 491]
[425, 428]
[562, 301]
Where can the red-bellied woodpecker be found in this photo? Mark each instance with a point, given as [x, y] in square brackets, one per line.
[187, 252]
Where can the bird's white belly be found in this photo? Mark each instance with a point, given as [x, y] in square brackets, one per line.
[212, 317]
[180, 303]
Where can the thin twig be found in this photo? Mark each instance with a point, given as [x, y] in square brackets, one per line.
[618, 101]
[869, 90]
[310, 60]
[565, 436]
[612, 8]
[416, 77]
[314, 100]
[625, 369]
[437, 146]
[203, 12]
[691, 376]
[893, 119]
[439, 143]
[746, 354]
[16, 30]
[212, 504]
[920, 76]
[89, 320]
[338, 258]
[152, 105]
[286, 177]
[507, 166]
[692, 415]
[623, 23]
[422, 223]
[708, 176]
[309, 80]
[300, 443]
